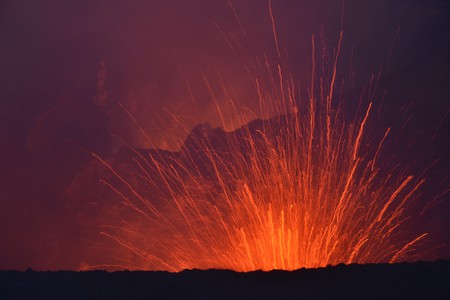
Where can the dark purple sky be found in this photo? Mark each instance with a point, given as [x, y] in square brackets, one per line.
[50, 52]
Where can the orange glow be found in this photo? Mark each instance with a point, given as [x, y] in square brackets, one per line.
[301, 190]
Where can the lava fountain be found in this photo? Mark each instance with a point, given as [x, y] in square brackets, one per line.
[299, 189]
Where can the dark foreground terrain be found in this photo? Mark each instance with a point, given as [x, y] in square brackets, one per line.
[423, 280]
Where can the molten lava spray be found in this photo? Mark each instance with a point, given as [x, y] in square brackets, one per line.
[297, 190]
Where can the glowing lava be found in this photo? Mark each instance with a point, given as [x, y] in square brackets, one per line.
[298, 190]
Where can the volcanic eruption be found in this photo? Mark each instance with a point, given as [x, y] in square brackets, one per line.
[300, 188]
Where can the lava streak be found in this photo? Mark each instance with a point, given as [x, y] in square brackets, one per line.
[301, 189]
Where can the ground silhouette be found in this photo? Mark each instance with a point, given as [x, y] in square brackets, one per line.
[421, 280]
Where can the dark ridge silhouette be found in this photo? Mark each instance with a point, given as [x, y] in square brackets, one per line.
[421, 280]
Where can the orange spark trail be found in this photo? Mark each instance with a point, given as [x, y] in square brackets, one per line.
[237, 17]
[379, 148]
[274, 31]
[360, 132]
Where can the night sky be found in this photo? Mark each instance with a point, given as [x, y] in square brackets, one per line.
[54, 110]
